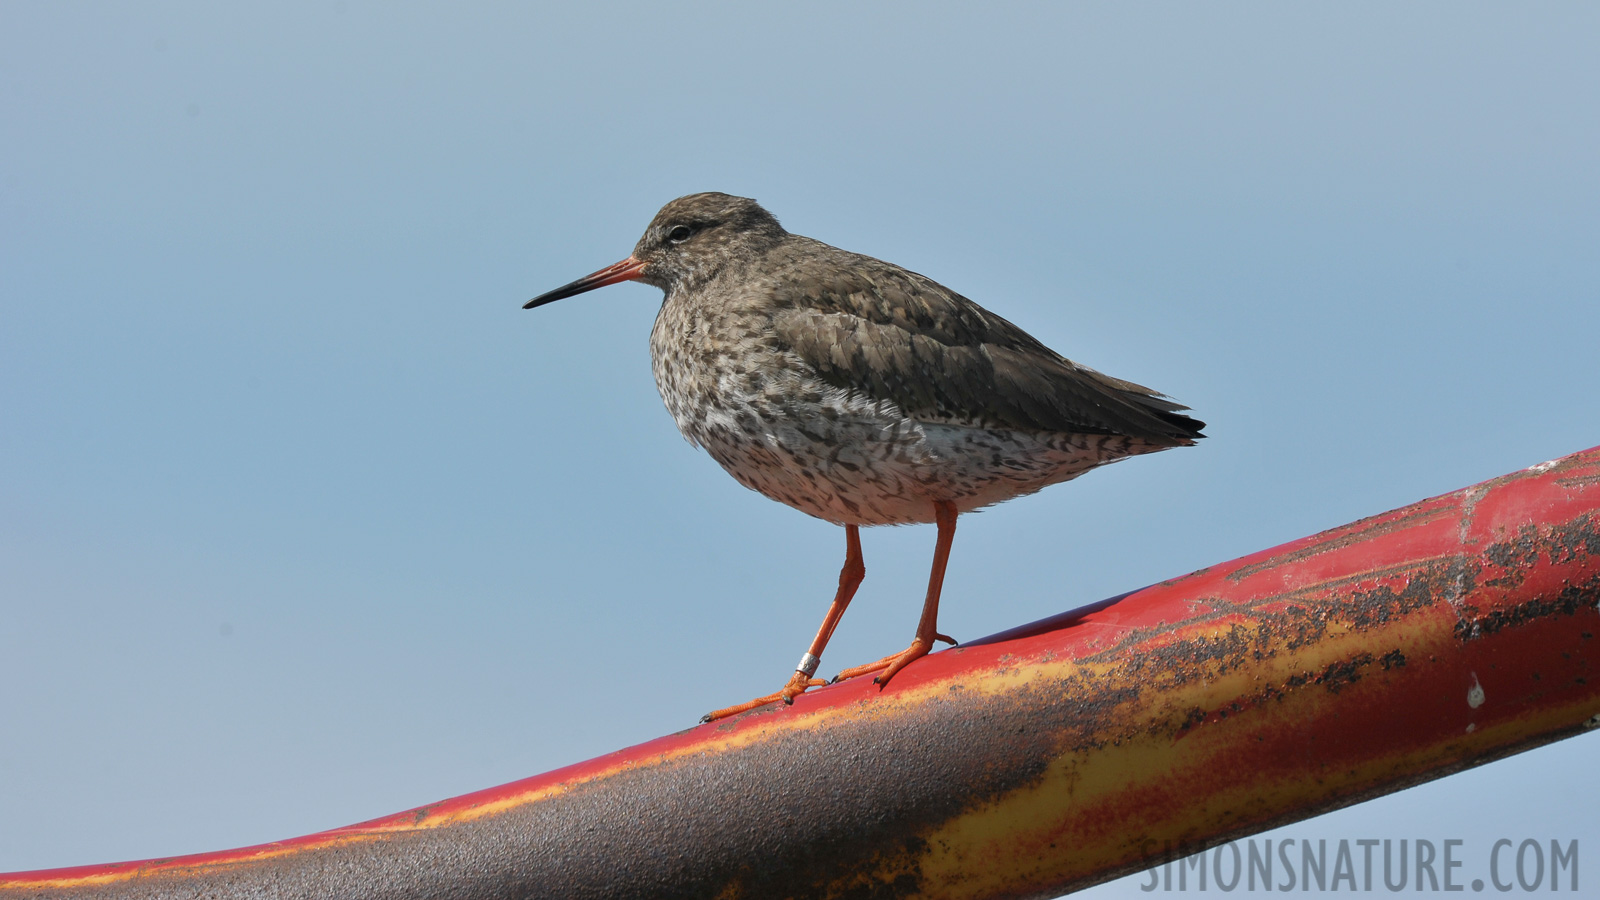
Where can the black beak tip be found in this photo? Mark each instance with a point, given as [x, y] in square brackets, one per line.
[550, 297]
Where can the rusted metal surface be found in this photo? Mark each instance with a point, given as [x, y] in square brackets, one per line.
[1346, 665]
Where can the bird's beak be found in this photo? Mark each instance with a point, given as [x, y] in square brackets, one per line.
[627, 270]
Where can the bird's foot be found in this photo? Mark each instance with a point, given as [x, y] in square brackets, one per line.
[889, 665]
[797, 685]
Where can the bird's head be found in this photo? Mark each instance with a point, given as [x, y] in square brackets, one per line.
[687, 243]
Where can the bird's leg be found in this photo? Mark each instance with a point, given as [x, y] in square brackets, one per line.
[944, 514]
[850, 577]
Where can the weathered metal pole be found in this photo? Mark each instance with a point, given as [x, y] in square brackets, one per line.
[1340, 667]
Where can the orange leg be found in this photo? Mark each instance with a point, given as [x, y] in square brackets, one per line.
[944, 513]
[849, 579]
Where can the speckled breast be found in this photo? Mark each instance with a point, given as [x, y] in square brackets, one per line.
[777, 428]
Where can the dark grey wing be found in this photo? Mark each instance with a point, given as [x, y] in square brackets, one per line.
[894, 335]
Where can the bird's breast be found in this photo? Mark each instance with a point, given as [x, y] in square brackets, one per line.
[777, 427]
[722, 372]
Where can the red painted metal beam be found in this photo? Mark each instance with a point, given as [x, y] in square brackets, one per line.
[1336, 668]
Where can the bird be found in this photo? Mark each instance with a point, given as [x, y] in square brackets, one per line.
[863, 393]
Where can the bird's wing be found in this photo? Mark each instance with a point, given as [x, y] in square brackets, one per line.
[893, 335]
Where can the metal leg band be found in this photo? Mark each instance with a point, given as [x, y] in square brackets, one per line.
[808, 665]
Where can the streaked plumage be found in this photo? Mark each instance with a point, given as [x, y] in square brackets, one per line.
[860, 392]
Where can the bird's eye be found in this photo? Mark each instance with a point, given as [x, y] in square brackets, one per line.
[679, 233]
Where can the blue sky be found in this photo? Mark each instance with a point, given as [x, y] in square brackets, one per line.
[303, 520]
